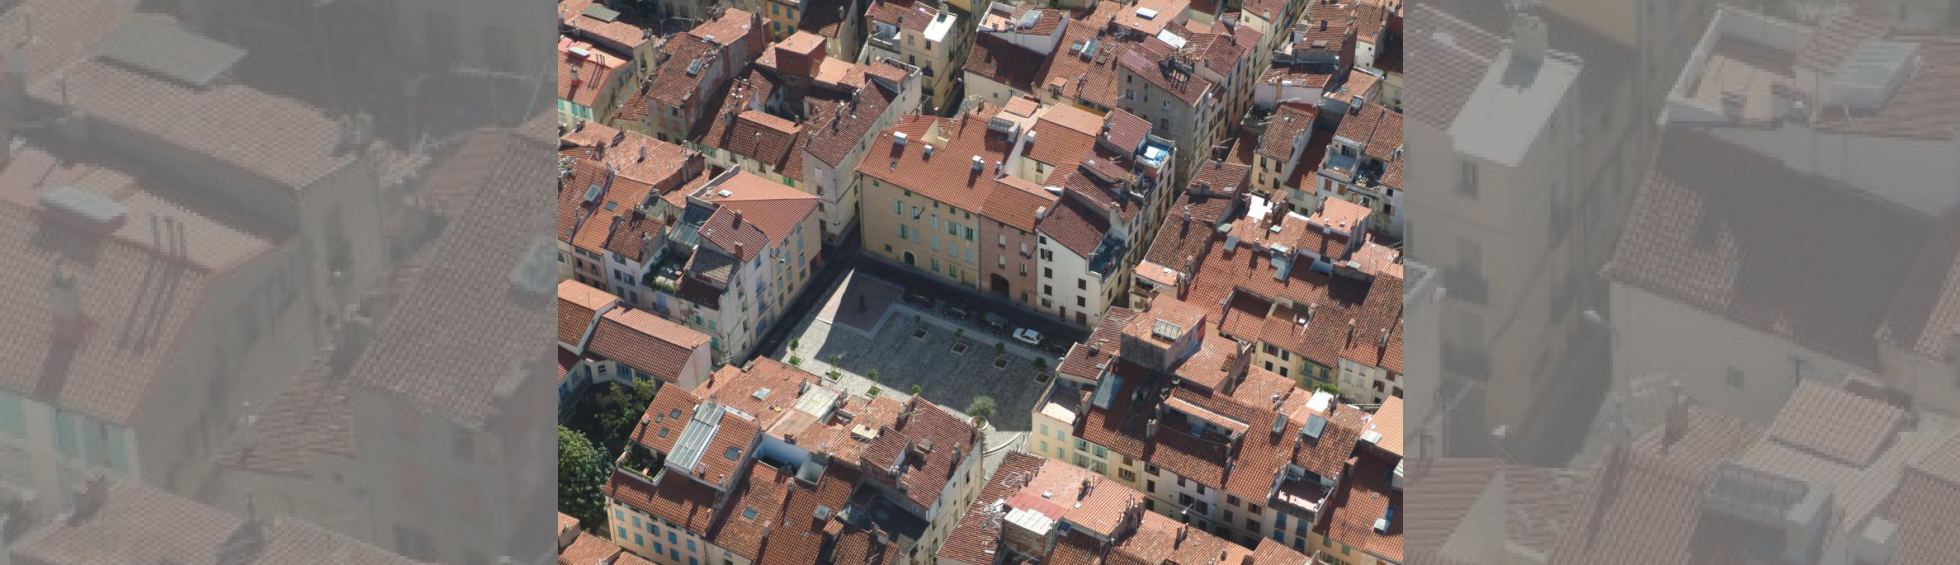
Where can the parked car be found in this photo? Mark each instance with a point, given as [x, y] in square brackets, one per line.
[996, 322]
[958, 312]
[1027, 336]
[919, 298]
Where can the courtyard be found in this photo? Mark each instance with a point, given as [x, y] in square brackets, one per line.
[862, 328]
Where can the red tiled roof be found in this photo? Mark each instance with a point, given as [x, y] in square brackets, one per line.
[1328, 455]
[1288, 124]
[577, 304]
[1835, 37]
[225, 122]
[1003, 62]
[1015, 205]
[953, 443]
[133, 515]
[1075, 226]
[1106, 339]
[1923, 507]
[626, 30]
[1143, 61]
[581, 79]
[907, 14]
[831, 138]
[1692, 237]
[1836, 424]
[311, 416]
[1644, 505]
[589, 549]
[646, 342]
[1387, 421]
[1456, 55]
[770, 206]
[1350, 513]
[664, 419]
[763, 492]
[736, 387]
[947, 177]
[671, 84]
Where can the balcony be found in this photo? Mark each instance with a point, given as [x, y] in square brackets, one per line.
[886, 38]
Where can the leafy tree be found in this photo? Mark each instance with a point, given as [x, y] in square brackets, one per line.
[982, 407]
[1041, 364]
[916, 389]
[872, 375]
[1000, 349]
[959, 333]
[833, 359]
[629, 404]
[795, 361]
[795, 343]
[876, 390]
[582, 472]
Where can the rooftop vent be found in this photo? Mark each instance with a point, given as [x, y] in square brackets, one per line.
[1146, 13]
[928, 150]
[1166, 330]
[694, 68]
[900, 138]
[979, 163]
[1028, 19]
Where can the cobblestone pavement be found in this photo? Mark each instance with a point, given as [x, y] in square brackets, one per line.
[949, 379]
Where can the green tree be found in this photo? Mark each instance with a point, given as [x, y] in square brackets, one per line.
[916, 389]
[959, 333]
[1041, 364]
[1000, 349]
[871, 375]
[982, 407]
[629, 404]
[582, 472]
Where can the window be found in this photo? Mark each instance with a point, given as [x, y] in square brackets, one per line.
[1231, 501]
[13, 415]
[898, 207]
[1126, 475]
[1251, 525]
[1150, 470]
[1081, 302]
[1150, 486]
[1180, 482]
[639, 540]
[1082, 284]
[1466, 183]
[1047, 272]
[1003, 240]
[1254, 508]
[1048, 290]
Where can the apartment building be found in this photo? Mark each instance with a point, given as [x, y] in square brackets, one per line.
[1214, 197]
[1046, 510]
[741, 250]
[589, 77]
[1178, 414]
[673, 103]
[588, 549]
[595, 22]
[602, 342]
[1101, 198]
[1165, 86]
[766, 464]
[1492, 270]
[615, 201]
[803, 118]
[921, 35]
[1363, 163]
[122, 359]
[1288, 131]
[115, 519]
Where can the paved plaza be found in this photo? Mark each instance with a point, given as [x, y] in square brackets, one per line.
[949, 379]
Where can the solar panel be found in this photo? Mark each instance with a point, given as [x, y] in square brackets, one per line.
[601, 13]
[1315, 426]
[156, 45]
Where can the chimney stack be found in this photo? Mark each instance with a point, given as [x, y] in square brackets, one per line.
[738, 218]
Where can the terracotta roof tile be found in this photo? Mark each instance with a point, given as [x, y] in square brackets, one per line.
[908, 14]
[1836, 424]
[224, 122]
[1015, 202]
[577, 305]
[1105, 341]
[1144, 61]
[646, 342]
[664, 419]
[1363, 497]
[1923, 507]
[581, 79]
[1691, 237]
[971, 538]
[830, 140]
[1289, 124]
[589, 549]
[1328, 455]
[627, 31]
[1835, 37]
[947, 177]
[1387, 421]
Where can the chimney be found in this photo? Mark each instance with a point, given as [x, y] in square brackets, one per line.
[1676, 423]
[1350, 337]
[1150, 429]
[738, 250]
[738, 218]
[70, 324]
[643, 153]
[1114, 217]
[1529, 38]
